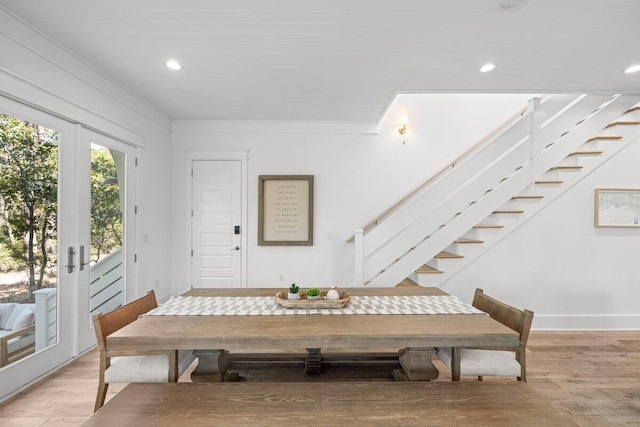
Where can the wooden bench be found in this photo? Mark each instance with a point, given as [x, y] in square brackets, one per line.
[316, 403]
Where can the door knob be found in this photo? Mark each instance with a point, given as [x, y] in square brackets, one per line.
[237, 248]
[70, 265]
[82, 263]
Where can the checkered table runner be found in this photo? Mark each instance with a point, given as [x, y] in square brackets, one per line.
[267, 306]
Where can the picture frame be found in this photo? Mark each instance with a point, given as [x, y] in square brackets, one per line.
[285, 210]
[617, 207]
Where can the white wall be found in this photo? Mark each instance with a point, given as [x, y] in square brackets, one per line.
[570, 273]
[358, 174]
[36, 71]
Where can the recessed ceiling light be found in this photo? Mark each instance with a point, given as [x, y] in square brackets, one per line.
[486, 68]
[632, 69]
[507, 5]
[174, 65]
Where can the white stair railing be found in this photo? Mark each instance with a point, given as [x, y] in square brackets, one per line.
[46, 317]
[107, 283]
[486, 178]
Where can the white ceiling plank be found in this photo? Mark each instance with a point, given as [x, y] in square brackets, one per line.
[334, 60]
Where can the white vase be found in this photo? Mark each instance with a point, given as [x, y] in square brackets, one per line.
[292, 295]
[333, 293]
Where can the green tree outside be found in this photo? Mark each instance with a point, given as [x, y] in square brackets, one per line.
[29, 201]
[29, 192]
[106, 213]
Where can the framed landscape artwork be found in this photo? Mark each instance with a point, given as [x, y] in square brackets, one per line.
[285, 210]
[616, 207]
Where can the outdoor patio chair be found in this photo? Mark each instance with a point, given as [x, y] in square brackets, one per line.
[17, 332]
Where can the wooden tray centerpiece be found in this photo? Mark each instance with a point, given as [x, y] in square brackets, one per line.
[322, 302]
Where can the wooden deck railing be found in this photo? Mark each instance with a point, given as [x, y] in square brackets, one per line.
[107, 283]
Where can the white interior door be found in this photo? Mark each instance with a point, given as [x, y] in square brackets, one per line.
[216, 217]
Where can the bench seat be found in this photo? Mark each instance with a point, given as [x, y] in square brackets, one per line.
[316, 403]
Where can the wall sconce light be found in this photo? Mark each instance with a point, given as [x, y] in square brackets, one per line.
[404, 120]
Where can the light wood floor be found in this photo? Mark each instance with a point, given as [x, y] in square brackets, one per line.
[594, 377]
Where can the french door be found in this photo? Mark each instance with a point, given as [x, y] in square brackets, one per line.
[67, 204]
[106, 264]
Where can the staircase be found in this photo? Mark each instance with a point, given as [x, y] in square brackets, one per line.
[494, 189]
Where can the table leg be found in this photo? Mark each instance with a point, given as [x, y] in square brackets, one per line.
[313, 361]
[417, 365]
[212, 366]
[455, 364]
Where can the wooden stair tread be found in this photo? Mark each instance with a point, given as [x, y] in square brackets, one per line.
[632, 109]
[605, 137]
[445, 254]
[549, 181]
[565, 167]
[465, 241]
[508, 211]
[407, 283]
[488, 226]
[623, 123]
[427, 269]
[528, 196]
[586, 153]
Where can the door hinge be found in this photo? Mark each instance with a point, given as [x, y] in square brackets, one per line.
[191, 213]
[191, 253]
[135, 257]
[135, 210]
[191, 173]
[136, 162]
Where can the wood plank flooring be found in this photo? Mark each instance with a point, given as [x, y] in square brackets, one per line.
[593, 377]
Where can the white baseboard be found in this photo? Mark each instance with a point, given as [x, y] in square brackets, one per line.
[586, 322]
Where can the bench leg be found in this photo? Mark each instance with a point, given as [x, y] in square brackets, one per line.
[417, 365]
[455, 364]
[212, 366]
[313, 361]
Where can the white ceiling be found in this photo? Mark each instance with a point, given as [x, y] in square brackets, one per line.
[339, 60]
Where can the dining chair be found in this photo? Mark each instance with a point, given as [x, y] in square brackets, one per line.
[127, 367]
[495, 361]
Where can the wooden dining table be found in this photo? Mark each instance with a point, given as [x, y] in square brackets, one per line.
[213, 336]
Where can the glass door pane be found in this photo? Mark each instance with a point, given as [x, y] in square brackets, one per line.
[28, 238]
[108, 184]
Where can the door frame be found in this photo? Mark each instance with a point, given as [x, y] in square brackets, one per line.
[218, 155]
